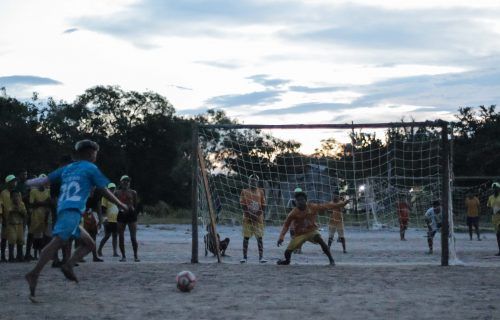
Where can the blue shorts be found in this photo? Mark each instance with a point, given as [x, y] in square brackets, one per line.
[68, 224]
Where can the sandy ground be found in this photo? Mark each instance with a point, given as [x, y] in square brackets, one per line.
[379, 278]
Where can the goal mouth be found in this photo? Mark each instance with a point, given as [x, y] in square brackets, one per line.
[388, 173]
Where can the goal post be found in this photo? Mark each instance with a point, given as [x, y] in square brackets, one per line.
[376, 165]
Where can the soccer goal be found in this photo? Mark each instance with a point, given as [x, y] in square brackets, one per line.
[374, 166]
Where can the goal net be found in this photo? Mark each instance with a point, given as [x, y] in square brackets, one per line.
[378, 168]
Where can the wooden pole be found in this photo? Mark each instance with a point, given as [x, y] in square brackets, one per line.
[445, 226]
[211, 210]
[194, 194]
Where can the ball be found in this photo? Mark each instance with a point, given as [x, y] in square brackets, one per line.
[186, 281]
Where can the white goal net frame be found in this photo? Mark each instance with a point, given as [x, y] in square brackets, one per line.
[412, 163]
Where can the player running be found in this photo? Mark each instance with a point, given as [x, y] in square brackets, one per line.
[110, 222]
[304, 216]
[337, 222]
[494, 204]
[432, 216]
[253, 203]
[77, 179]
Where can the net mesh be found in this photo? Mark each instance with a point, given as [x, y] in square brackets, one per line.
[376, 173]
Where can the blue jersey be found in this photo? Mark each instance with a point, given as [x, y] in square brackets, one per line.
[77, 180]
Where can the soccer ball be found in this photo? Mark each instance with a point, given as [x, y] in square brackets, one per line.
[185, 281]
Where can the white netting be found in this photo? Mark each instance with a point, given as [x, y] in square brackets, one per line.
[375, 169]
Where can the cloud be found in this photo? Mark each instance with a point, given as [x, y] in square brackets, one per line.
[25, 80]
[180, 87]
[253, 98]
[219, 64]
[70, 30]
[267, 81]
[306, 89]
[305, 108]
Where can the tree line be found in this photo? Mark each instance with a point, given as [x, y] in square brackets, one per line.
[141, 135]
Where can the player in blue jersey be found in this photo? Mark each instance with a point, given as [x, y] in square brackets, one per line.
[77, 180]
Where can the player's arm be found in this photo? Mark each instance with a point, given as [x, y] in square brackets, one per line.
[111, 197]
[243, 202]
[286, 226]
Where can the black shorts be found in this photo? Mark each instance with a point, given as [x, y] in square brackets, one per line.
[111, 227]
[127, 217]
[471, 221]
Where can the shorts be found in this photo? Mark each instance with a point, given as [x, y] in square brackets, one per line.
[403, 224]
[110, 227]
[431, 234]
[68, 224]
[37, 225]
[472, 221]
[253, 228]
[126, 217]
[495, 219]
[298, 241]
[338, 227]
[15, 234]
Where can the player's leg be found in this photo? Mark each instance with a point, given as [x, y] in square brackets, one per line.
[342, 238]
[331, 235]
[3, 242]
[86, 245]
[114, 238]
[469, 225]
[259, 234]
[430, 240]
[498, 242]
[476, 226]
[294, 244]
[45, 256]
[121, 239]
[95, 258]
[317, 239]
[19, 242]
[107, 234]
[247, 231]
[245, 249]
[132, 227]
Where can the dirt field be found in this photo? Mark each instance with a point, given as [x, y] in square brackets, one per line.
[369, 282]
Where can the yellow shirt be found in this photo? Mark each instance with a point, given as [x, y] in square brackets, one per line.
[111, 210]
[494, 203]
[37, 196]
[254, 201]
[472, 205]
[5, 202]
[17, 214]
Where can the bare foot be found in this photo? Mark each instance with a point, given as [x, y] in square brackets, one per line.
[68, 273]
[32, 280]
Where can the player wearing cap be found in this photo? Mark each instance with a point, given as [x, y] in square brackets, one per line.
[15, 225]
[304, 215]
[77, 180]
[253, 203]
[6, 203]
[127, 218]
[494, 204]
[110, 222]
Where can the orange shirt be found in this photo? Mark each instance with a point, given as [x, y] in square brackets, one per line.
[472, 205]
[305, 221]
[336, 216]
[403, 210]
[253, 202]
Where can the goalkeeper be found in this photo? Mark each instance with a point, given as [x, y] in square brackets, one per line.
[337, 222]
[494, 204]
[304, 217]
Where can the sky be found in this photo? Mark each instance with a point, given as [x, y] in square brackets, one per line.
[263, 62]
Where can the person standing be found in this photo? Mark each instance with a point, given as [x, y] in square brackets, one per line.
[110, 222]
[6, 203]
[77, 180]
[337, 222]
[473, 207]
[253, 203]
[127, 218]
[16, 216]
[40, 204]
[494, 204]
[403, 209]
[432, 218]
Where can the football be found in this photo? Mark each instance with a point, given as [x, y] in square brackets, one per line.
[185, 280]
